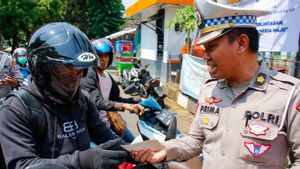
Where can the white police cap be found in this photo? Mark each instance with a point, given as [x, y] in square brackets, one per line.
[214, 18]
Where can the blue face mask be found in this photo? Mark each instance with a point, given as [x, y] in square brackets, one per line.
[22, 60]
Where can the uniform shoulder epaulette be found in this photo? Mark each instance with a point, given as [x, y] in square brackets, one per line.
[210, 80]
[286, 80]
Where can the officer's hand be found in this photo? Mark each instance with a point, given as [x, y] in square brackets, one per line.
[134, 108]
[11, 81]
[109, 159]
[149, 156]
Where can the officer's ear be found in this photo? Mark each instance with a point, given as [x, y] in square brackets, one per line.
[243, 43]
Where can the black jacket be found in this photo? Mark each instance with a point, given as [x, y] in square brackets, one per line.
[90, 83]
[69, 127]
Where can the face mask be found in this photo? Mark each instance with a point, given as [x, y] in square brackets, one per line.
[64, 81]
[22, 60]
[65, 87]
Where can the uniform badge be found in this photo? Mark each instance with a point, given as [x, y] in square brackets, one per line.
[260, 79]
[257, 149]
[257, 130]
[212, 100]
[205, 121]
[298, 107]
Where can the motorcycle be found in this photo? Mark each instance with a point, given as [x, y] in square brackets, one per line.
[146, 86]
[157, 120]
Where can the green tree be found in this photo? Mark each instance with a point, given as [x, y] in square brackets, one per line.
[76, 13]
[19, 18]
[105, 17]
[186, 19]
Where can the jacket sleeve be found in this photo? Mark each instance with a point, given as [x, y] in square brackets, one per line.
[90, 84]
[293, 132]
[187, 147]
[115, 94]
[19, 146]
[14, 71]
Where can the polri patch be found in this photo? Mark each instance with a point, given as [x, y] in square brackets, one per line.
[257, 129]
[257, 149]
[211, 100]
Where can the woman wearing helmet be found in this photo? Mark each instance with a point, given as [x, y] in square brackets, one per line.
[67, 119]
[103, 88]
[20, 55]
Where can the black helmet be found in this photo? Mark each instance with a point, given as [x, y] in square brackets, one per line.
[58, 43]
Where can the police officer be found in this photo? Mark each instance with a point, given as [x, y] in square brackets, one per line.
[20, 55]
[247, 116]
[67, 120]
[10, 77]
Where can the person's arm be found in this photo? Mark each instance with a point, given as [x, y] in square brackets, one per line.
[293, 132]
[89, 84]
[15, 77]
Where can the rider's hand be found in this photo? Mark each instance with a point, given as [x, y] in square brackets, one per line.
[135, 108]
[149, 156]
[102, 157]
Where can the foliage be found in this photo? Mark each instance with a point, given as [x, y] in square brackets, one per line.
[105, 17]
[97, 18]
[186, 19]
[19, 18]
[76, 13]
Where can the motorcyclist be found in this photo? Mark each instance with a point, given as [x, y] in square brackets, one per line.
[103, 88]
[58, 56]
[20, 55]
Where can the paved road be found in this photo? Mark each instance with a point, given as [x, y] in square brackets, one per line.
[184, 117]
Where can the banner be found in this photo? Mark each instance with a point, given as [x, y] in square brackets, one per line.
[194, 73]
[280, 29]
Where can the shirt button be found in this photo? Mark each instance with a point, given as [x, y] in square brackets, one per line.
[223, 153]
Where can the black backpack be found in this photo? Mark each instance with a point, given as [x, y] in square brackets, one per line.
[38, 119]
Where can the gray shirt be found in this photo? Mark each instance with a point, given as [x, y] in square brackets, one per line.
[7, 68]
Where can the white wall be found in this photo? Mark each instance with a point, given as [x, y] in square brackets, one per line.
[173, 41]
[148, 36]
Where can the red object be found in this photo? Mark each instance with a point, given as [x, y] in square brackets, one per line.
[126, 165]
[126, 47]
[124, 59]
[212, 100]
[298, 107]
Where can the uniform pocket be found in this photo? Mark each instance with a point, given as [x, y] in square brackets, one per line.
[209, 123]
[261, 143]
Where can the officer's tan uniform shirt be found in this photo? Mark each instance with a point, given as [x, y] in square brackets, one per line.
[228, 141]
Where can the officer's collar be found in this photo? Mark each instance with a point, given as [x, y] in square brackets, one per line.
[261, 78]
[258, 82]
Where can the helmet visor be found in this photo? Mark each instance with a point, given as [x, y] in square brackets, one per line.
[65, 70]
